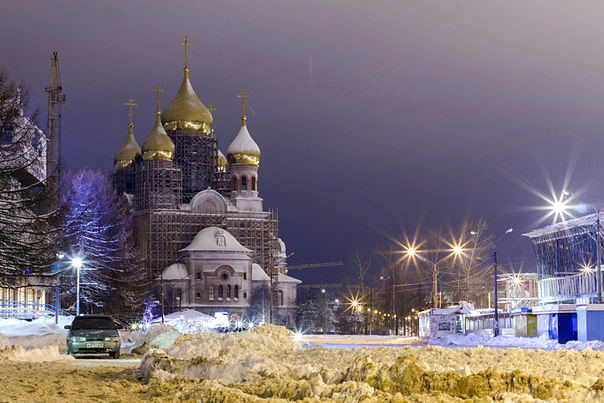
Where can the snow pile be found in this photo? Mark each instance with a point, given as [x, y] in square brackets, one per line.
[190, 321]
[139, 341]
[18, 353]
[268, 363]
[542, 342]
[43, 326]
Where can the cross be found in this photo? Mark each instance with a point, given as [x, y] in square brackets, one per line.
[185, 42]
[158, 90]
[212, 108]
[130, 104]
[243, 95]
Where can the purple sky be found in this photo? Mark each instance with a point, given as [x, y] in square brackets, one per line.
[372, 116]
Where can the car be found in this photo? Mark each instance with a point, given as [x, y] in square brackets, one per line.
[93, 334]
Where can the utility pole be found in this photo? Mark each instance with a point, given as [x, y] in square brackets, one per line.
[435, 286]
[56, 98]
[598, 259]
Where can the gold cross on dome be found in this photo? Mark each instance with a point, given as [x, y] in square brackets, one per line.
[243, 95]
[185, 42]
[158, 90]
[130, 104]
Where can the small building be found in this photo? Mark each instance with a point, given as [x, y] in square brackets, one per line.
[436, 322]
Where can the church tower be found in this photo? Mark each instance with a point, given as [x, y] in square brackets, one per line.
[188, 123]
[158, 181]
[243, 156]
[125, 158]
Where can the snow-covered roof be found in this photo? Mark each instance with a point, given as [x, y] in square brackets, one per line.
[585, 221]
[258, 274]
[214, 239]
[284, 278]
[243, 143]
[176, 271]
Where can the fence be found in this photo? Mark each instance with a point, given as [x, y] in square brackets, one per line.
[560, 289]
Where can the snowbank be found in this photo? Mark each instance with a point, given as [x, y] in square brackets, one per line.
[267, 362]
[38, 327]
[18, 353]
[542, 342]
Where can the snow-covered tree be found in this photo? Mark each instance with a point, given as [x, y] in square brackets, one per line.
[28, 233]
[98, 230]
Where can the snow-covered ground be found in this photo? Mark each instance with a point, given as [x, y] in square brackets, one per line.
[472, 340]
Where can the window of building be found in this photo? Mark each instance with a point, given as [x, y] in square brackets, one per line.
[228, 292]
[245, 276]
[224, 276]
[211, 292]
[220, 292]
[236, 292]
[178, 293]
[198, 275]
[198, 295]
[244, 295]
[220, 240]
[253, 183]
[244, 183]
[280, 298]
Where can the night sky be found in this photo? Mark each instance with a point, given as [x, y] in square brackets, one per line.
[373, 117]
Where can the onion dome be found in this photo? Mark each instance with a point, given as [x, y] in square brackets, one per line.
[128, 152]
[157, 145]
[243, 149]
[222, 162]
[186, 111]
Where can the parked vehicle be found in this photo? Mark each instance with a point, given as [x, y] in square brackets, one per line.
[93, 334]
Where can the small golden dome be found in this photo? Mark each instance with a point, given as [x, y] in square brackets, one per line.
[222, 162]
[243, 149]
[186, 111]
[157, 145]
[127, 153]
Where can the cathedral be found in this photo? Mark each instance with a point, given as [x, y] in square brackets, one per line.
[207, 240]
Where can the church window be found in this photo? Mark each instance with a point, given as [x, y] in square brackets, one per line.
[245, 276]
[197, 295]
[253, 183]
[228, 292]
[220, 292]
[245, 295]
[211, 292]
[224, 276]
[198, 275]
[280, 298]
[236, 292]
[244, 183]
[220, 240]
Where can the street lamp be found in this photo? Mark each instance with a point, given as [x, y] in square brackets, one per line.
[77, 263]
[598, 246]
[496, 327]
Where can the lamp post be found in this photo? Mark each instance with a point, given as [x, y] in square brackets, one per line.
[77, 263]
[598, 246]
[496, 327]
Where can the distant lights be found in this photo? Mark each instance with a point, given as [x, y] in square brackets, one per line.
[298, 336]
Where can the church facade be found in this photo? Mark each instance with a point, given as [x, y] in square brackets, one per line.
[208, 242]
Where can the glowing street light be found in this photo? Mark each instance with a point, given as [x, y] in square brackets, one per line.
[77, 263]
[457, 250]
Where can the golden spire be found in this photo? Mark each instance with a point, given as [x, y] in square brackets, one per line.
[130, 104]
[243, 95]
[127, 153]
[158, 145]
[185, 42]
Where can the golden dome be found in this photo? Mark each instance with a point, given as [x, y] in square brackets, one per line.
[157, 145]
[243, 149]
[222, 162]
[128, 151]
[186, 111]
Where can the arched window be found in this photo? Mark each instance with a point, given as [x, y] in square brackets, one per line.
[228, 292]
[244, 183]
[211, 293]
[220, 292]
[280, 298]
[236, 292]
[253, 183]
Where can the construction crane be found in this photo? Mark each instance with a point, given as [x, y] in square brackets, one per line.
[56, 98]
[314, 265]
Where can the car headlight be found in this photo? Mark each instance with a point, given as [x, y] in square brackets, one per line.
[78, 338]
[112, 338]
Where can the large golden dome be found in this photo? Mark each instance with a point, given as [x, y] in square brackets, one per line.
[186, 111]
[128, 151]
[157, 145]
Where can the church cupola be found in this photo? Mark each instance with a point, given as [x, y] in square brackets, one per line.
[243, 157]
[222, 163]
[128, 152]
[157, 145]
[186, 111]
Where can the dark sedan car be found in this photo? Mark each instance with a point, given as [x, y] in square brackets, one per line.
[93, 334]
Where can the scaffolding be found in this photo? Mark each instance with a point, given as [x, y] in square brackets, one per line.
[197, 157]
[157, 185]
[123, 180]
[162, 233]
